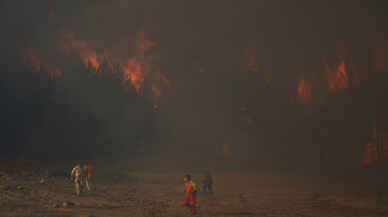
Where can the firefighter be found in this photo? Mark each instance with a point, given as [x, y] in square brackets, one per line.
[76, 176]
[88, 173]
[207, 183]
[190, 194]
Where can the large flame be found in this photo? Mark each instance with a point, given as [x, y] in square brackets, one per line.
[337, 75]
[132, 71]
[137, 67]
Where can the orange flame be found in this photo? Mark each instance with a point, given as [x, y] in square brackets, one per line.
[142, 44]
[136, 69]
[156, 91]
[164, 79]
[32, 58]
[133, 72]
[337, 77]
[250, 54]
[304, 90]
[69, 44]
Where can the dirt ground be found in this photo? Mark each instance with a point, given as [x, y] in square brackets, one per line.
[32, 190]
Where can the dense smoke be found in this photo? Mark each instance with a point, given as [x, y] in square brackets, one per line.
[271, 82]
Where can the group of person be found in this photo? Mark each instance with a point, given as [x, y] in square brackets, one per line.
[82, 177]
[190, 199]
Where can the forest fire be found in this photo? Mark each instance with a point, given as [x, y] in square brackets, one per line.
[68, 44]
[136, 69]
[280, 108]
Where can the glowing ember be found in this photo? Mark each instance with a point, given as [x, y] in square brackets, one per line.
[223, 149]
[132, 71]
[164, 79]
[304, 90]
[251, 58]
[31, 58]
[202, 68]
[156, 91]
[337, 78]
[340, 79]
[52, 71]
[68, 44]
[142, 44]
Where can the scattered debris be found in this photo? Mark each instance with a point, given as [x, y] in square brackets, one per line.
[42, 181]
[56, 205]
[243, 198]
[66, 204]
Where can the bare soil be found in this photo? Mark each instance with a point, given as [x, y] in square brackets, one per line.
[32, 190]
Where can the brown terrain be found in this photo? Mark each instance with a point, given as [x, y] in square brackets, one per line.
[32, 190]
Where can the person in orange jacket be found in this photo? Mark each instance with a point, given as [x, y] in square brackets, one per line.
[190, 194]
[88, 171]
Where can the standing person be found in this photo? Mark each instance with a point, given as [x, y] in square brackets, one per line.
[76, 175]
[190, 194]
[207, 182]
[88, 169]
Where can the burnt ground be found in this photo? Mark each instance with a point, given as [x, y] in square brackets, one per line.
[33, 190]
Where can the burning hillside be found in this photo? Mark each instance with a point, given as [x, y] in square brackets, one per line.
[135, 70]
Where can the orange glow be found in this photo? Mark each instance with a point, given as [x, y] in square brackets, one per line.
[53, 71]
[133, 69]
[68, 44]
[142, 44]
[156, 91]
[304, 90]
[31, 58]
[133, 72]
[164, 79]
[250, 58]
[380, 54]
[337, 75]
[202, 68]
[223, 149]
[340, 79]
